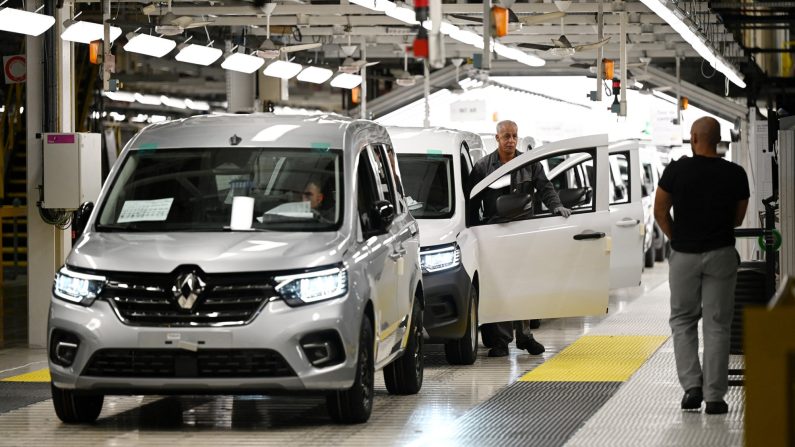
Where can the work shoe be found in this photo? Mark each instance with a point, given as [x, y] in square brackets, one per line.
[692, 399]
[499, 351]
[530, 344]
[535, 324]
[719, 407]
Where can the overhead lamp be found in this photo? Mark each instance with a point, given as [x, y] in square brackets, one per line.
[242, 62]
[375, 5]
[467, 37]
[87, 32]
[518, 55]
[346, 80]
[149, 45]
[198, 54]
[120, 96]
[149, 100]
[445, 28]
[173, 102]
[315, 75]
[405, 15]
[662, 10]
[25, 22]
[282, 69]
[201, 106]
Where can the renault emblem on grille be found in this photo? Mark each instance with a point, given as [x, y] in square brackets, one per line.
[187, 289]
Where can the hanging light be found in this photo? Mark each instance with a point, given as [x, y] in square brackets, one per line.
[242, 62]
[346, 80]
[149, 45]
[315, 75]
[25, 22]
[198, 54]
[87, 32]
[282, 69]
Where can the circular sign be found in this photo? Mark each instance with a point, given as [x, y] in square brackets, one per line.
[15, 69]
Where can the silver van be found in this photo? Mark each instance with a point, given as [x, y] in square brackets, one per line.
[251, 254]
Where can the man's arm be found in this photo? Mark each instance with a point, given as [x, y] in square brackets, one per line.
[742, 205]
[662, 211]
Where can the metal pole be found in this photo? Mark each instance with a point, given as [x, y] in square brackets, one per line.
[600, 52]
[623, 48]
[485, 63]
[678, 92]
[106, 56]
[363, 72]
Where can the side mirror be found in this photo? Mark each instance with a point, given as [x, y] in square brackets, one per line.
[511, 206]
[80, 219]
[384, 213]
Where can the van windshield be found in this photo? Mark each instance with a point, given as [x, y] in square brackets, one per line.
[200, 190]
[428, 185]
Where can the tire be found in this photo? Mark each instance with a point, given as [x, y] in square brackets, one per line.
[404, 375]
[648, 258]
[354, 405]
[659, 254]
[76, 408]
[464, 351]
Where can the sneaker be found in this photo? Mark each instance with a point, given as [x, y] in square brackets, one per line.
[692, 399]
[499, 351]
[531, 345]
[719, 407]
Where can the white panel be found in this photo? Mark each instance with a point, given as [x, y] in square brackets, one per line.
[786, 167]
[90, 166]
[72, 169]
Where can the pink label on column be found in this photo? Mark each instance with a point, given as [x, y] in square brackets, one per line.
[66, 138]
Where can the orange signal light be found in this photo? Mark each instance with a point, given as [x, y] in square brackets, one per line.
[95, 51]
[356, 95]
[683, 102]
[609, 68]
[499, 21]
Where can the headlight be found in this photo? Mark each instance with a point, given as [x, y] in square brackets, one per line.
[311, 287]
[440, 258]
[80, 288]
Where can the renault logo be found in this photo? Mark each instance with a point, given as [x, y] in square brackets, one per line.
[187, 289]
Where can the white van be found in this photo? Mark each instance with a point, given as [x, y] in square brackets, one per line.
[434, 166]
[653, 168]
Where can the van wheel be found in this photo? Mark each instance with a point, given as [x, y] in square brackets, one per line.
[648, 259]
[464, 351]
[76, 408]
[404, 375]
[659, 254]
[354, 405]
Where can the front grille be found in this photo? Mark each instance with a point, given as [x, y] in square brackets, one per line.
[178, 363]
[148, 300]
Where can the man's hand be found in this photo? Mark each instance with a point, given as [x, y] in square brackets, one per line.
[563, 211]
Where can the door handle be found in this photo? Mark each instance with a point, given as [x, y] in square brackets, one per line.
[627, 223]
[591, 235]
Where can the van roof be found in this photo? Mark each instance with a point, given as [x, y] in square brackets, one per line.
[435, 140]
[253, 130]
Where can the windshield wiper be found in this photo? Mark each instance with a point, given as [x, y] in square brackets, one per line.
[134, 226]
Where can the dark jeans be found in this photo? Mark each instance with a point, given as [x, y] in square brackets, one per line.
[501, 334]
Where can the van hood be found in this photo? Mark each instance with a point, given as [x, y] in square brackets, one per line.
[213, 252]
[438, 231]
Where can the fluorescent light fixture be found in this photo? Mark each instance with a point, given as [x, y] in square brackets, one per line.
[149, 100]
[157, 119]
[244, 63]
[120, 96]
[198, 54]
[315, 75]
[202, 106]
[140, 118]
[467, 37]
[445, 28]
[24, 22]
[173, 102]
[375, 5]
[149, 45]
[282, 69]
[518, 55]
[671, 18]
[86, 32]
[405, 15]
[118, 116]
[274, 132]
[346, 80]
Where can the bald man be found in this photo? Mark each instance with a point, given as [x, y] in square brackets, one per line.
[709, 196]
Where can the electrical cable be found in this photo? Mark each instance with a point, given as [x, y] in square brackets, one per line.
[714, 70]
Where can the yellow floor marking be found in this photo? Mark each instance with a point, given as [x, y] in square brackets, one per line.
[597, 358]
[41, 375]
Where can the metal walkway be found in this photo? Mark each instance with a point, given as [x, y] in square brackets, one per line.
[603, 381]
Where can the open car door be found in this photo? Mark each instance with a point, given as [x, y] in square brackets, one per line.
[625, 204]
[534, 264]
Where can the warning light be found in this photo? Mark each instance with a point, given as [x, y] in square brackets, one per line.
[356, 95]
[609, 68]
[683, 103]
[95, 52]
[499, 21]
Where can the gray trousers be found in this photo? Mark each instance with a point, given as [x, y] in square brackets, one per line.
[702, 285]
[500, 334]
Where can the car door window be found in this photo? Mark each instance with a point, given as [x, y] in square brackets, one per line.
[367, 193]
[385, 178]
[619, 184]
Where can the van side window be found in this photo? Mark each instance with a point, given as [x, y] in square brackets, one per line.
[619, 184]
[367, 192]
[386, 180]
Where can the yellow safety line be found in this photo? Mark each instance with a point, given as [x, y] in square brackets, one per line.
[598, 358]
[41, 375]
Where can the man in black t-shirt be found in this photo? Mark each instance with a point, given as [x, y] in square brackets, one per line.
[709, 196]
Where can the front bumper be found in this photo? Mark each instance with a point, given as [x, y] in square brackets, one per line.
[278, 328]
[446, 303]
